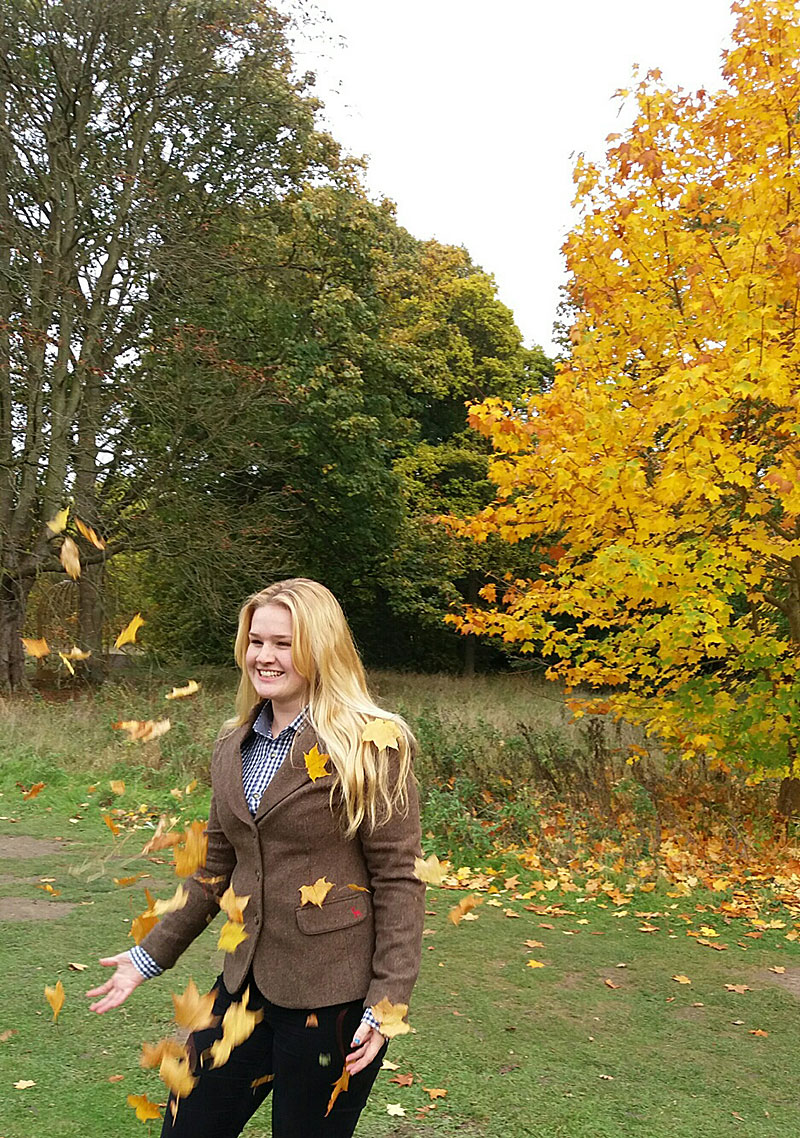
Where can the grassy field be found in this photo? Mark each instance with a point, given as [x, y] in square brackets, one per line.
[521, 1051]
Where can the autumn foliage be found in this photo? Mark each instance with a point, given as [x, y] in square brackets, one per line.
[658, 479]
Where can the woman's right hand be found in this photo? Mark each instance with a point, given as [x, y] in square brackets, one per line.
[116, 990]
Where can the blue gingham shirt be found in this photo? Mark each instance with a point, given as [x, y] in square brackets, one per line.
[262, 755]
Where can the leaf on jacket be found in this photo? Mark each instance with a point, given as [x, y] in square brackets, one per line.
[177, 1074]
[55, 998]
[341, 1085]
[191, 852]
[90, 534]
[145, 1110]
[172, 904]
[391, 1018]
[191, 688]
[383, 733]
[58, 523]
[315, 894]
[231, 936]
[360, 888]
[70, 558]
[35, 648]
[238, 1024]
[193, 1011]
[128, 634]
[430, 870]
[152, 1054]
[316, 761]
[232, 905]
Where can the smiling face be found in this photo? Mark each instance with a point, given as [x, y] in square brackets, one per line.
[269, 659]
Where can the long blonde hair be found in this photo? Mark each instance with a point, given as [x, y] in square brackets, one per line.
[339, 703]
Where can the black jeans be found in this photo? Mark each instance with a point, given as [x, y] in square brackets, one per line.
[304, 1062]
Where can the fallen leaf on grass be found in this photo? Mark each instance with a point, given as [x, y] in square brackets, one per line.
[738, 988]
[402, 1080]
[315, 894]
[55, 998]
[534, 964]
[533, 944]
[37, 788]
[115, 1078]
[758, 1031]
[681, 979]
[777, 968]
[6, 1035]
[388, 1065]
[145, 1110]
[394, 1108]
[611, 984]
[24, 1084]
[435, 1092]
[117, 786]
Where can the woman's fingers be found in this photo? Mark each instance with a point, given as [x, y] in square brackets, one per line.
[116, 990]
[370, 1043]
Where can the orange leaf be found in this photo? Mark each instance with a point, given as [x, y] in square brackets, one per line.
[193, 1011]
[181, 693]
[90, 534]
[55, 998]
[152, 1054]
[143, 730]
[402, 1080]
[37, 788]
[145, 1110]
[232, 905]
[341, 1085]
[611, 984]
[435, 1092]
[464, 906]
[112, 825]
[682, 979]
[238, 1024]
[758, 1031]
[35, 648]
[177, 1074]
[190, 854]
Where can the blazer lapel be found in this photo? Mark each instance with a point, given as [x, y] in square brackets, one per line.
[232, 758]
[291, 774]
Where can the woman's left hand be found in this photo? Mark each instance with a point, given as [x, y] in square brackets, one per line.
[366, 1044]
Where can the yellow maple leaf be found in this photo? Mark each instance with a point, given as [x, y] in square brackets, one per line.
[70, 558]
[190, 853]
[383, 733]
[435, 1092]
[391, 1018]
[145, 1110]
[181, 693]
[232, 905]
[143, 730]
[534, 964]
[152, 1054]
[430, 870]
[341, 1085]
[315, 894]
[58, 522]
[128, 634]
[682, 979]
[172, 904]
[231, 936]
[177, 1074]
[55, 998]
[35, 648]
[90, 534]
[238, 1024]
[316, 761]
[193, 1011]
[141, 926]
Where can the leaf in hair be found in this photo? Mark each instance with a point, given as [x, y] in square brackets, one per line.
[316, 761]
[383, 733]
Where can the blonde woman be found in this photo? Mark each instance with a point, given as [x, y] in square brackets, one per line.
[312, 970]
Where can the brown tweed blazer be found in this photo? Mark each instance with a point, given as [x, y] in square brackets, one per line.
[358, 944]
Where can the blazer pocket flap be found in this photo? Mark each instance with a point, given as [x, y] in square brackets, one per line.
[333, 915]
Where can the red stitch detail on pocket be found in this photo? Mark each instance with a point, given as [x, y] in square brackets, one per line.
[356, 913]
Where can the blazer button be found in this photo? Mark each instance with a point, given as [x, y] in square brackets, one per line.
[258, 875]
[258, 921]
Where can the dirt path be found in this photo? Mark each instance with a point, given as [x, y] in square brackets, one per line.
[20, 847]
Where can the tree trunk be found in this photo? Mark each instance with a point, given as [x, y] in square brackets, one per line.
[13, 597]
[90, 619]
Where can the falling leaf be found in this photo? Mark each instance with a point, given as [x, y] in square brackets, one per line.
[75, 653]
[49, 889]
[394, 1108]
[143, 730]
[129, 880]
[112, 825]
[65, 660]
[24, 1084]
[391, 1018]
[190, 853]
[193, 1011]
[172, 904]
[35, 648]
[464, 906]
[145, 1110]
[315, 894]
[231, 936]
[681, 979]
[70, 558]
[177, 1074]
[738, 988]
[163, 838]
[238, 1024]
[141, 926]
[383, 733]
[37, 788]
[402, 1080]
[262, 1080]
[55, 998]
[430, 870]
[152, 1054]
[435, 1092]
[58, 523]
[117, 786]
[232, 905]
[316, 761]
[181, 693]
[311, 1020]
[128, 634]
[534, 964]
[339, 1087]
[90, 534]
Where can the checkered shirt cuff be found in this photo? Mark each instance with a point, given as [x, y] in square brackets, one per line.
[144, 963]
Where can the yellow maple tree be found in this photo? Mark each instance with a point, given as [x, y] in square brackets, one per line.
[657, 481]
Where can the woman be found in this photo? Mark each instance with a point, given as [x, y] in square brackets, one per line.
[312, 966]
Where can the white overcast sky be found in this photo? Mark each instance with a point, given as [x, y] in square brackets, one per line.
[471, 112]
